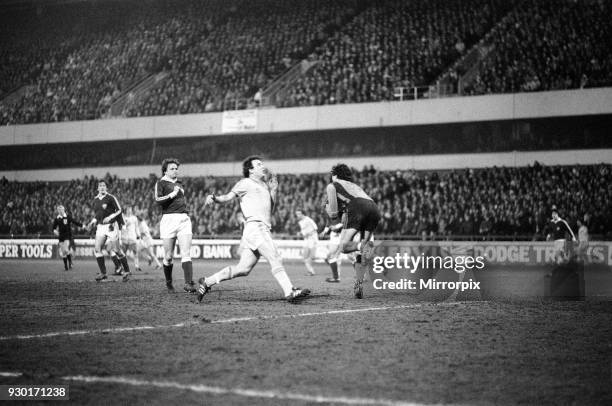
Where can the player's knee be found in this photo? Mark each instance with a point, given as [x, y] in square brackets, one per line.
[276, 261]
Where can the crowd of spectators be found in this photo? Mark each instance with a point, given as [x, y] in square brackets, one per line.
[212, 51]
[98, 54]
[74, 63]
[501, 203]
[226, 62]
[393, 44]
[549, 45]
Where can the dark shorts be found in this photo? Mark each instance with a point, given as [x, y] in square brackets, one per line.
[361, 215]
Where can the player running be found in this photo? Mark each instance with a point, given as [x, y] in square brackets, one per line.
[106, 213]
[308, 230]
[359, 214]
[62, 228]
[257, 195]
[175, 223]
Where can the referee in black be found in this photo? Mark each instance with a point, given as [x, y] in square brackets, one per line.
[62, 228]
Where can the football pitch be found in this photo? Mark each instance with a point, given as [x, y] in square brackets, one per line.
[134, 343]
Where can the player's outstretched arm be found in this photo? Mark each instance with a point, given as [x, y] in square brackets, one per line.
[212, 199]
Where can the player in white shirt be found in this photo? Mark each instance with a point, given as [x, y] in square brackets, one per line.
[130, 236]
[583, 239]
[309, 231]
[257, 195]
[334, 256]
[145, 243]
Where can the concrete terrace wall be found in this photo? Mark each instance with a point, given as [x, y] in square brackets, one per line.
[384, 114]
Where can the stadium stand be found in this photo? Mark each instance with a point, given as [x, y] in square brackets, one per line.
[73, 63]
[546, 45]
[493, 203]
[393, 44]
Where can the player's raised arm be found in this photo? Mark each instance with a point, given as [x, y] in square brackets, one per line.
[569, 230]
[332, 202]
[159, 197]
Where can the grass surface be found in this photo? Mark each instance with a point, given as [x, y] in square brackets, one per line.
[397, 348]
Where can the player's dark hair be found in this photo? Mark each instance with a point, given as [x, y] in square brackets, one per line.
[102, 180]
[342, 171]
[248, 164]
[167, 162]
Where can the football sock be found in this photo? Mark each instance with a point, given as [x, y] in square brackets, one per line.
[65, 263]
[101, 265]
[223, 275]
[124, 262]
[187, 270]
[360, 270]
[70, 259]
[168, 272]
[283, 279]
[334, 269]
[116, 261]
[309, 267]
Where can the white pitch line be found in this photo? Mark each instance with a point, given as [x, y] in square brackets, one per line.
[10, 374]
[96, 331]
[248, 393]
[220, 321]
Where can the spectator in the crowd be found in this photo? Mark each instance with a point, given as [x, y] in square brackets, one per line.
[502, 202]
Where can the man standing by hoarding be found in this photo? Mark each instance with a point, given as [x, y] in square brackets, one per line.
[557, 231]
[62, 228]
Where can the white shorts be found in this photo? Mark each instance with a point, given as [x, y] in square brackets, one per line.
[310, 243]
[255, 235]
[105, 230]
[129, 245]
[333, 250]
[174, 224]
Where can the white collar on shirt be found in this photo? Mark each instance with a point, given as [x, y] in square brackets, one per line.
[168, 179]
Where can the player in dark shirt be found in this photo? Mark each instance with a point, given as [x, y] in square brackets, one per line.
[62, 228]
[175, 223]
[557, 230]
[360, 215]
[106, 215]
